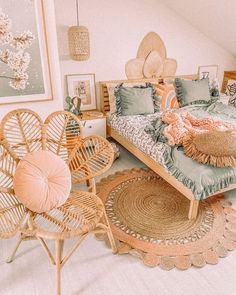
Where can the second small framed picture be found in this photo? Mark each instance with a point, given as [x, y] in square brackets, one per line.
[210, 72]
[83, 86]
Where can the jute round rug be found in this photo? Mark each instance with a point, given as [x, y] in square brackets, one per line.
[148, 218]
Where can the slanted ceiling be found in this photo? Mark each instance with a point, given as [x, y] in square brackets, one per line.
[214, 18]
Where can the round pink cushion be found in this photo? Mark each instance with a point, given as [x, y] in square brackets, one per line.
[42, 181]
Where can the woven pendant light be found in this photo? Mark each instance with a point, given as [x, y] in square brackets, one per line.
[79, 40]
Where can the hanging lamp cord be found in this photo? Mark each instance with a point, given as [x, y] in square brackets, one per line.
[77, 12]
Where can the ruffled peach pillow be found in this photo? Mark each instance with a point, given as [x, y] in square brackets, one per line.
[215, 147]
[42, 181]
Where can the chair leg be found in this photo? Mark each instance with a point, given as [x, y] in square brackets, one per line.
[109, 233]
[11, 258]
[193, 210]
[92, 186]
[58, 260]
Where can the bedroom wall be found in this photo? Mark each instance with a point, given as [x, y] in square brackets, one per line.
[46, 107]
[116, 30]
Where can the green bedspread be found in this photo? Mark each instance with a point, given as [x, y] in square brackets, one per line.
[203, 180]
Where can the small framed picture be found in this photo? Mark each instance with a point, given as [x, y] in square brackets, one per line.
[210, 72]
[83, 86]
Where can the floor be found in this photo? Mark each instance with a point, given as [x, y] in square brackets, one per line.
[93, 270]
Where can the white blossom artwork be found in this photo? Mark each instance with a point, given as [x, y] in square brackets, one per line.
[23, 58]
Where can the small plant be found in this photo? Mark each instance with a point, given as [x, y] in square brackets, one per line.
[74, 105]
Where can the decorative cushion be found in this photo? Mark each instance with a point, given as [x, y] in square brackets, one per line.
[136, 100]
[215, 147]
[192, 92]
[168, 96]
[42, 181]
[231, 92]
[112, 99]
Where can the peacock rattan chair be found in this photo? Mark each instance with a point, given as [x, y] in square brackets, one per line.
[22, 131]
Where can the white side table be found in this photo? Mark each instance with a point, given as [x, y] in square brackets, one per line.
[94, 123]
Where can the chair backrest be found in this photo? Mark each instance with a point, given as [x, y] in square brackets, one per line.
[22, 129]
[25, 132]
[12, 212]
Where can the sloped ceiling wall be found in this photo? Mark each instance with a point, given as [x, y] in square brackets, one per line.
[215, 18]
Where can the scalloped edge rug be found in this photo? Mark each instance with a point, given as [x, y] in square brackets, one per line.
[214, 245]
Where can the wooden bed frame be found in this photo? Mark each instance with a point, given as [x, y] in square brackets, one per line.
[152, 164]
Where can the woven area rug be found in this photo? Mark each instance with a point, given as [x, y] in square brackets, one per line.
[148, 218]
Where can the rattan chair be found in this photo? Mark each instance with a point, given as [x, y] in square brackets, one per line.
[22, 131]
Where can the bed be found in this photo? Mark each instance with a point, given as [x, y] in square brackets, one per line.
[146, 154]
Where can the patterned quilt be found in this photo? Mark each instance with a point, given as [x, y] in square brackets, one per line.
[203, 180]
[133, 129]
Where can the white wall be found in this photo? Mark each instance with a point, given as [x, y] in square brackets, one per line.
[116, 30]
[215, 18]
[46, 107]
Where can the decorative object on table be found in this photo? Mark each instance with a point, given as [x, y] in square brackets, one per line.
[151, 60]
[116, 150]
[74, 105]
[148, 219]
[24, 61]
[25, 142]
[79, 40]
[83, 87]
[210, 72]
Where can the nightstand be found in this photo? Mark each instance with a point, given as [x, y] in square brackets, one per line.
[94, 123]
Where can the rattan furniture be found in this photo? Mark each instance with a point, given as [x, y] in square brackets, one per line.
[22, 131]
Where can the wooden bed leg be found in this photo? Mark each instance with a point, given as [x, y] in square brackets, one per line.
[193, 210]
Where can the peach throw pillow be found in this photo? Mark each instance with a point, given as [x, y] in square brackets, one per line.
[168, 96]
[42, 181]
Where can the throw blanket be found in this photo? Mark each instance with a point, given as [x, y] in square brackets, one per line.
[180, 124]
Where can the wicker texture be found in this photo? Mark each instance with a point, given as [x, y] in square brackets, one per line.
[148, 217]
[79, 43]
[214, 147]
[23, 131]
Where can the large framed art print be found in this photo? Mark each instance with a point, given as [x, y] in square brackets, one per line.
[24, 59]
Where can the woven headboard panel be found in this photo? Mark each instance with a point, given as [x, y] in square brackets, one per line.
[104, 98]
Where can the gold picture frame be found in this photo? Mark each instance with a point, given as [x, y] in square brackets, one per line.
[39, 83]
[83, 86]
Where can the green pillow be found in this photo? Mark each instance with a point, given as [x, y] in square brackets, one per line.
[137, 100]
[192, 92]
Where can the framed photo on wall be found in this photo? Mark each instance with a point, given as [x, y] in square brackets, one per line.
[210, 72]
[83, 86]
[24, 60]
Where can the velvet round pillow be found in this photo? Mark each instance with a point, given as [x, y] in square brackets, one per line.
[42, 181]
[216, 147]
